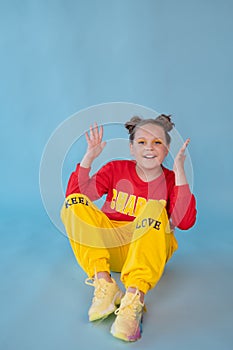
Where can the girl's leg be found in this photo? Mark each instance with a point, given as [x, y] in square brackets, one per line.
[89, 231]
[86, 227]
[152, 245]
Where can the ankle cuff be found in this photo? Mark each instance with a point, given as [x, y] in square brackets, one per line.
[139, 284]
[99, 266]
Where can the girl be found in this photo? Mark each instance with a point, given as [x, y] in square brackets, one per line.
[133, 233]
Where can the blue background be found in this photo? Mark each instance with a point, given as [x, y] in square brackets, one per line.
[58, 57]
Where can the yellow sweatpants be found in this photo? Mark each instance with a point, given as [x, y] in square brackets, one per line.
[138, 249]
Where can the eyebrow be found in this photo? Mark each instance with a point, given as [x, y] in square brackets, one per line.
[154, 138]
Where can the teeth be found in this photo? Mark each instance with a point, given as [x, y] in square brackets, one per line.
[149, 157]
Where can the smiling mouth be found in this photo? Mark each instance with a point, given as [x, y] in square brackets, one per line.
[149, 157]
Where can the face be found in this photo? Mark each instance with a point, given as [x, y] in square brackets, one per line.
[149, 147]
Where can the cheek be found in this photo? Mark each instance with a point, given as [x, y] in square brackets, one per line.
[167, 148]
[134, 151]
[131, 148]
[165, 151]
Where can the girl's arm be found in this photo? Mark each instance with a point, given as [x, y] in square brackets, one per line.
[182, 207]
[182, 201]
[178, 168]
[95, 145]
[80, 181]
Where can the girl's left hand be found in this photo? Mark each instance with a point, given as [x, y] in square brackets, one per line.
[180, 158]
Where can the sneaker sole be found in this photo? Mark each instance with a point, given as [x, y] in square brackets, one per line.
[112, 308]
[124, 337]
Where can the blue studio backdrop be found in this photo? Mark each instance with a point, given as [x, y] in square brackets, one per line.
[59, 57]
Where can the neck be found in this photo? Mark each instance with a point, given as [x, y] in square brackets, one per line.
[148, 175]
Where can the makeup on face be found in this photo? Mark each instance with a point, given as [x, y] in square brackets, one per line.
[149, 143]
[145, 142]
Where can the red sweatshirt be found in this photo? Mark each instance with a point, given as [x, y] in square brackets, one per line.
[126, 192]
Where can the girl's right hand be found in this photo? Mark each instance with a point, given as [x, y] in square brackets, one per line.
[95, 145]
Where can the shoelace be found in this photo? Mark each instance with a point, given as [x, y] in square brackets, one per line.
[100, 291]
[130, 309]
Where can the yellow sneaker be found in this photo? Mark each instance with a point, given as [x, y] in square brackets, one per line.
[107, 296]
[128, 323]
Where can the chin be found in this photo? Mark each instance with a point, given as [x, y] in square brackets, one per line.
[153, 164]
[154, 167]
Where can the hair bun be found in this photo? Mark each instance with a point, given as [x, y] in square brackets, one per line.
[165, 121]
[130, 125]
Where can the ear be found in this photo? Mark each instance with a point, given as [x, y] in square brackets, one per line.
[168, 149]
[131, 149]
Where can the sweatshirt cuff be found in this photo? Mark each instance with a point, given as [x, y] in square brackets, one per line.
[183, 190]
[84, 171]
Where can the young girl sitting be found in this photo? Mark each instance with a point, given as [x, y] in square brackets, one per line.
[133, 233]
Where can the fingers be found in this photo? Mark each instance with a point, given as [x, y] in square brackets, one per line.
[101, 132]
[96, 133]
[180, 158]
[183, 148]
[87, 137]
[187, 142]
[93, 132]
[103, 144]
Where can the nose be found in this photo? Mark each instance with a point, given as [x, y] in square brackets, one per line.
[149, 146]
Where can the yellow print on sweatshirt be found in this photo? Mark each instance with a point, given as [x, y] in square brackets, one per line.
[127, 204]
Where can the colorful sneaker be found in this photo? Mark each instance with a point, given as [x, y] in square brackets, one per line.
[128, 323]
[107, 296]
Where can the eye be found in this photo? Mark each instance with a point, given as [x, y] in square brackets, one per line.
[141, 142]
[157, 142]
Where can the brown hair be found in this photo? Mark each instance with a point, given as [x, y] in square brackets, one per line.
[163, 120]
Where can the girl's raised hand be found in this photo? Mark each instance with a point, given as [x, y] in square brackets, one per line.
[178, 167]
[180, 157]
[95, 145]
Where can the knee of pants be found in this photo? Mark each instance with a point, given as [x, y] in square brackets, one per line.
[86, 224]
[78, 207]
[78, 203]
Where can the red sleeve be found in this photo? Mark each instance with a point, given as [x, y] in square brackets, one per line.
[94, 187]
[182, 208]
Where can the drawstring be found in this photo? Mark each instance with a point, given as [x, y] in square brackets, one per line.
[130, 305]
